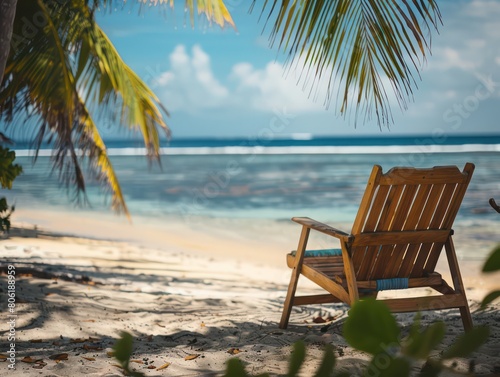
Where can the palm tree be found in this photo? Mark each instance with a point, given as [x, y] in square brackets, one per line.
[64, 74]
[7, 15]
[67, 76]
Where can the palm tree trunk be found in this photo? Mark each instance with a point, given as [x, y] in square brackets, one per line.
[7, 15]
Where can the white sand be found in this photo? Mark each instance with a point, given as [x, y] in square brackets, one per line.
[200, 288]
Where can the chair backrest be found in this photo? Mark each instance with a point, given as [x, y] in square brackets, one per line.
[404, 219]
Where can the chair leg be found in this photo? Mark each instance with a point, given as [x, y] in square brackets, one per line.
[350, 274]
[458, 283]
[292, 287]
[466, 317]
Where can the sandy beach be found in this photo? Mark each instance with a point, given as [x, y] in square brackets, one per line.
[193, 294]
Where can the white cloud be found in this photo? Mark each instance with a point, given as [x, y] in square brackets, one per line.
[447, 58]
[469, 38]
[466, 47]
[268, 88]
[190, 84]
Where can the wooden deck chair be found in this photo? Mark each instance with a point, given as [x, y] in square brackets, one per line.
[403, 222]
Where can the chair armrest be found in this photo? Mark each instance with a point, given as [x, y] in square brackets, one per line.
[323, 228]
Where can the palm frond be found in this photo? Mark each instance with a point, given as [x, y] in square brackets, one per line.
[97, 155]
[64, 77]
[353, 45]
[114, 85]
[214, 10]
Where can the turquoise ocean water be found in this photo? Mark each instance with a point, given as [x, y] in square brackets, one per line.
[269, 179]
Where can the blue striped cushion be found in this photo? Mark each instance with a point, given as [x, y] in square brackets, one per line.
[395, 283]
[321, 253]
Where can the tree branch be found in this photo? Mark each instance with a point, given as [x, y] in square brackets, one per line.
[7, 16]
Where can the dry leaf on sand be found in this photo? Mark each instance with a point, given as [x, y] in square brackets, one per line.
[29, 359]
[164, 366]
[319, 320]
[59, 357]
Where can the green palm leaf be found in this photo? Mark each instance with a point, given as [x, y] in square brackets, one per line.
[353, 44]
[66, 76]
[214, 10]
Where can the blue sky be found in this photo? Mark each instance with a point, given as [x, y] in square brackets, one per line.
[226, 83]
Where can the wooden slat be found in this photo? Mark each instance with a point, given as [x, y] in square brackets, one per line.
[414, 304]
[457, 200]
[319, 299]
[324, 260]
[367, 199]
[290, 260]
[423, 223]
[362, 265]
[446, 223]
[385, 224]
[368, 261]
[324, 265]
[389, 210]
[410, 224]
[400, 220]
[403, 237]
[404, 207]
[388, 222]
[323, 228]
[443, 287]
[394, 264]
[435, 223]
[376, 251]
[315, 299]
[430, 206]
[433, 257]
[369, 218]
[338, 272]
[413, 176]
[405, 265]
[324, 282]
[432, 280]
[376, 208]
[448, 197]
[328, 270]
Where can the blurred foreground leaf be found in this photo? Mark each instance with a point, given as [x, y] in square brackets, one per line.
[297, 358]
[383, 365]
[420, 344]
[8, 170]
[371, 327]
[122, 351]
[493, 261]
[467, 343]
[430, 369]
[490, 297]
[327, 364]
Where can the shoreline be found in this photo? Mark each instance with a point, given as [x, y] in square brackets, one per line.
[264, 240]
[180, 290]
